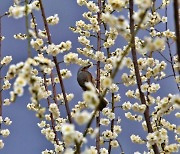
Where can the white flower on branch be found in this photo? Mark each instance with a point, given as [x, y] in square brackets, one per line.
[104, 121]
[16, 11]
[42, 124]
[70, 58]
[2, 38]
[53, 20]
[67, 129]
[172, 148]
[126, 105]
[109, 134]
[5, 132]
[117, 129]
[117, 4]
[136, 139]
[37, 44]
[53, 108]
[103, 151]
[1, 144]
[83, 40]
[6, 102]
[144, 4]
[152, 138]
[139, 107]
[175, 100]
[91, 98]
[47, 151]
[91, 150]
[114, 88]
[92, 6]
[20, 36]
[107, 82]
[61, 98]
[177, 114]
[35, 5]
[6, 85]
[82, 117]
[114, 143]
[42, 34]
[53, 50]
[6, 60]
[48, 132]
[59, 148]
[81, 2]
[7, 121]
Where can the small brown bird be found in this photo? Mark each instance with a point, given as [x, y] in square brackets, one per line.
[83, 76]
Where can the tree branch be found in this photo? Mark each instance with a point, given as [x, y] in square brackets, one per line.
[27, 29]
[56, 63]
[138, 78]
[177, 27]
[98, 75]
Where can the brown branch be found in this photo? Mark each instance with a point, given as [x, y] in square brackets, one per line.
[53, 88]
[27, 29]
[98, 74]
[62, 89]
[138, 78]
[35, 25]
[51, 115]
[112, 124]
[105, 28]
[177, 27]
[149, 84]
[56, 63]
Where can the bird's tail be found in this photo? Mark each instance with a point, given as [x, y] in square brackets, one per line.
[103, 103]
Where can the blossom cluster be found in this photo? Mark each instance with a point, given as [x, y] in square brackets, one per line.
[18, 11]
[4, 132]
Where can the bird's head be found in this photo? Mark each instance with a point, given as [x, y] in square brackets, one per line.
[83, 68]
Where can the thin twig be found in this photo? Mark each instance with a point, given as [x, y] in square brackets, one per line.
[166, 77]
[53, 88]
[51, 115]
[27, 29]
[34, 22]
[122, 151]
[105, 28]
[112, 124]
[63, 89]
[165, 57]
[170, 52]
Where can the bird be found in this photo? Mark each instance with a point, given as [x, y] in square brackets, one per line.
[83, 76]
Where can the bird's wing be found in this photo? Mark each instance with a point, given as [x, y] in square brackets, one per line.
[83, 77]
[91, 79]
